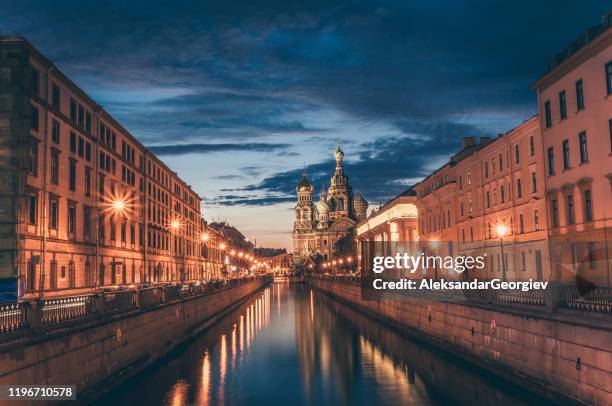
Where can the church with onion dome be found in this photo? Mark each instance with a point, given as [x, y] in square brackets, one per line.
[320, 225]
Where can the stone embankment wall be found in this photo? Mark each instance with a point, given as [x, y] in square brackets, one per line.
[565, 357]
[97, 355]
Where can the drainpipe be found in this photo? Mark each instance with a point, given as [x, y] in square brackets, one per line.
[44, 187]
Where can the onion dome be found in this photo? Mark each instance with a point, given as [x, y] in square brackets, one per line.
[359, 200]
[304, 184]
[322, 207]
[338, 154]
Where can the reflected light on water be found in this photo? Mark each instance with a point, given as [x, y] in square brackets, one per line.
[311, 350]
[178, 393]
[222, 367]
[204, 395]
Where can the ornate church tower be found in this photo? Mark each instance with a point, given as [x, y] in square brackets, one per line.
[361, 207]
[339, 197]
[305, 216]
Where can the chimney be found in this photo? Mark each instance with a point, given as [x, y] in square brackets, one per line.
[469, 142]
[485, 140]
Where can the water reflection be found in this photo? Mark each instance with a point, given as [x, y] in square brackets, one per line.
[292, 345]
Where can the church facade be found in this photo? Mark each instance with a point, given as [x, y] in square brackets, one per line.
[319, 226]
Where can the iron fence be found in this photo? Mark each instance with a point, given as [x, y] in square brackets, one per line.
[67, 308]
[13, 317]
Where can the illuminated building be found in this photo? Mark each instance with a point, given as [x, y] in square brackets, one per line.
[319, 227]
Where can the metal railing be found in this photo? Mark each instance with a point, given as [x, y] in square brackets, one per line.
[119, 301]
[67, 308]
[13, 317]
[45, 313]
[587, 299]
[149, 297]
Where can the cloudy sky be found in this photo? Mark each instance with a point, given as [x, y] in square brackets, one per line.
[238, 96]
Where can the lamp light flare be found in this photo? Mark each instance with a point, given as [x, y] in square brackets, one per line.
[204, 237]
[501, 230]
[118, 205]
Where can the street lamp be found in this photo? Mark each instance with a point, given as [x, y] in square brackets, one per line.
[175, 225]
[501, 232]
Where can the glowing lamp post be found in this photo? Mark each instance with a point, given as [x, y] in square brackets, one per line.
[501, 232]
[174, 226]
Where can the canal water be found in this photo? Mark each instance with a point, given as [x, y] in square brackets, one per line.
[290, 345]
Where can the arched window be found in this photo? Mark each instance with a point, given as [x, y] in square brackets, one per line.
[341, 204]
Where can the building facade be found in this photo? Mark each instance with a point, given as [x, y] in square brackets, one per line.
[575, 109]
[83, 204]
[489, 199]
[320, 227]
[388, 230]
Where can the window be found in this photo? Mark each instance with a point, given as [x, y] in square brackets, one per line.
[87, 221]
[519, 189]
[610, 130]
[531, 146]
[547, 114]
[551, 161]
[501, 163]
[562, 105]
[72, 218]
[588, 205]
[555, 212]
[53, 213]
[523, 261]
[35, 81]
[87, 182]
[521, 224]
[32, 209]
[536, 219]
[101, 227]
[517, 156]
[55, 131]
[54, 166]
[469, 178]
[113, 229]
[609, 77]
[486, 169]
[591, 254]
[461, 209]
[579, 95]
[502, 193]
[534, 185]
[88, 151]
[81, 116]
[55, 96]
[34, 120]
[101, 187]
[73, 110]
[566, 155]
[123, 231]
[88, 121]
[73, 174]
[571, 219]
[73, 142]
[584, 154]
[81, 147]
[488, 199]
[33, 158]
